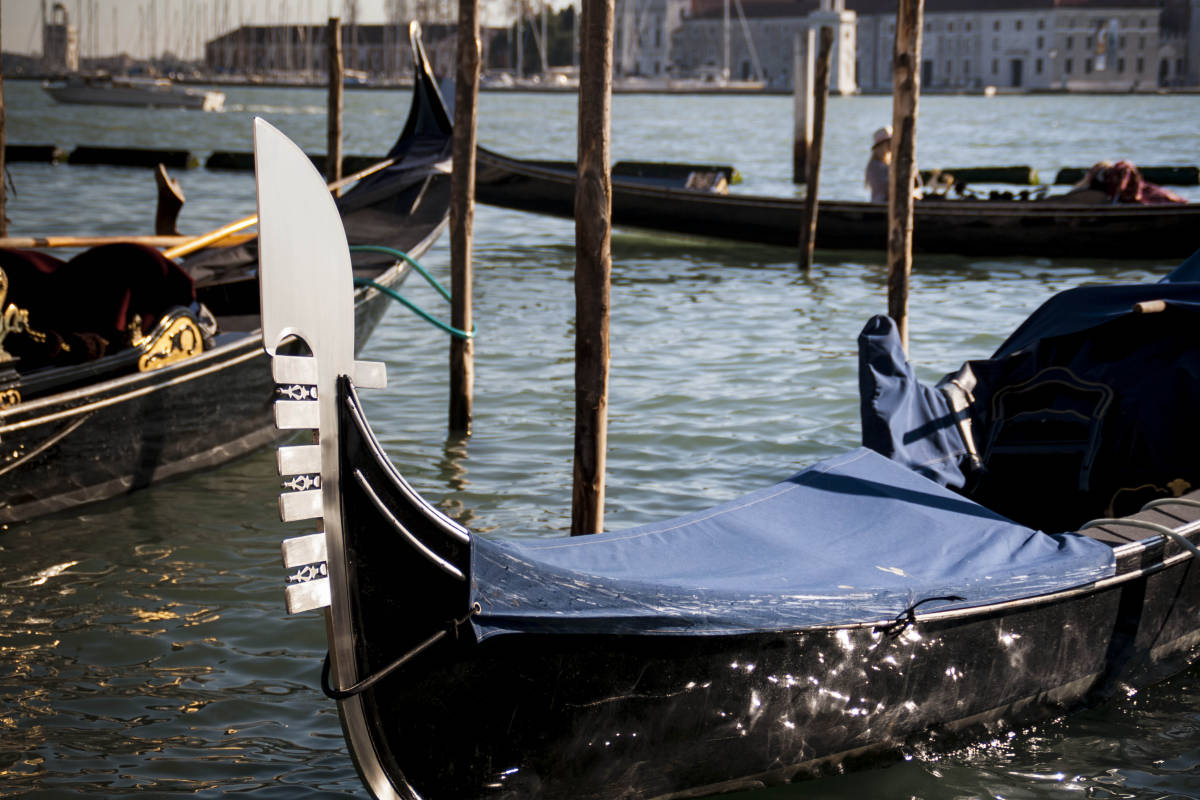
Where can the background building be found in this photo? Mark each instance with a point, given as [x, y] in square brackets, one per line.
[60, 44]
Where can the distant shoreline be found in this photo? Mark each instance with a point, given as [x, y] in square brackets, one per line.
[665, 90]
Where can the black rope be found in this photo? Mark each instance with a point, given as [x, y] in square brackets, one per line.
[908, 616]
[371, 680]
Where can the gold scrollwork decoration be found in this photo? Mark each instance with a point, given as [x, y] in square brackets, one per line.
[13, 320]
[9, 398]
[180, 340]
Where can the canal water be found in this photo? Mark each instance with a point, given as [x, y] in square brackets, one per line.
[143, 643]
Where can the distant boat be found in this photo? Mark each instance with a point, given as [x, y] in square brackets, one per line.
[1046, 228]
[145, 92]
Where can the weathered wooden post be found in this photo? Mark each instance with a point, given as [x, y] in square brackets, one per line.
[593, 265]
[462, 216]
[3, 167]
[333, 131]
[803, 50]
[808, 230]
[906, 93]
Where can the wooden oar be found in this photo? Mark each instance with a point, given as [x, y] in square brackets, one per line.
[178, 245]
[96, 241]
[213, 236]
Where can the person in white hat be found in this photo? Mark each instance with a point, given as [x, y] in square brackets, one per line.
[879, 168]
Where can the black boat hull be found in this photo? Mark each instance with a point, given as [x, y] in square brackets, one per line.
[966, 227]
[578, 716]
[107, 439]
[589, 717]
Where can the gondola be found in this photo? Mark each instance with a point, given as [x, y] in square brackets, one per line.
[189, 390]
[817, 625]
[1045, 228]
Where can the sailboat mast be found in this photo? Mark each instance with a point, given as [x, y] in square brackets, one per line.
[725, 43]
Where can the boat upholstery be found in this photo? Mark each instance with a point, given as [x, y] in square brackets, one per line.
[87, 307]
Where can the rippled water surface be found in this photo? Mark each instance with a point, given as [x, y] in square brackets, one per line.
[143, 645]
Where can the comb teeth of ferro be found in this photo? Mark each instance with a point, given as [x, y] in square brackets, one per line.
[298, 407]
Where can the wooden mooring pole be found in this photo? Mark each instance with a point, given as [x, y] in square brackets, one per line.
[593, 265]
[3, 165]
[803, 48]
[808, 230]
[462, 216]
[906, 93]
[333, 130]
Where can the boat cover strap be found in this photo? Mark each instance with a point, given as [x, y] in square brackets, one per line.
[856, 538]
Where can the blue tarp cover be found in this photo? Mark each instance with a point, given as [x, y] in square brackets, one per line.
[1087, 410]
[856, 538]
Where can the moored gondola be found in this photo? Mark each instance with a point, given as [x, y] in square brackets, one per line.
[817, 624]
[1045, 228]
[179, 383]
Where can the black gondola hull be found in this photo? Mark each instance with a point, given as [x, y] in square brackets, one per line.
[104, 437]
[108, 439]
[645, 716]
[966, 227]
[594, 717]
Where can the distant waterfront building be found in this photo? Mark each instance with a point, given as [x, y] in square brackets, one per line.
[642, 36]
[1073, 45]
[761, 35]
[60, 42]
[300, 51]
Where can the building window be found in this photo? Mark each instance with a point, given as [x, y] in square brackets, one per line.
[949, 69]
[966, 67]
[1142, 43]
[1070, 42]
[1120, 65]
[1068, 67]
[968, 27]
[1041, 24]
[1037, 66]
[1087, 66]
[1087, 43]
[1017, 25]
[950, 27]
[1141, 64]
[996, 25]
[1142, 22]
[995, 67]
[1121, 42]
[1041, 43]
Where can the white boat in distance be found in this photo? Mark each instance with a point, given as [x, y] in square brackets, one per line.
[144, 92]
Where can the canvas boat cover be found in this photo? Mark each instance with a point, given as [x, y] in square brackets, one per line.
[857, 538]
[1086, 410]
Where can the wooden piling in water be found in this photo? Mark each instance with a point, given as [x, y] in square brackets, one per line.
[333, 116]
[808, 229]
[906, 93]
[593, 265]
[462, 216]
[803, 48]
[3, 166]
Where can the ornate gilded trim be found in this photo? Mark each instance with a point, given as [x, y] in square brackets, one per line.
[179, 340]
[13, 320]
